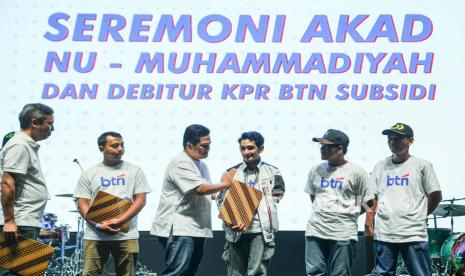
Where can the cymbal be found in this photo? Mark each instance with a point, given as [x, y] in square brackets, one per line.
[446, 210]
[64, 195]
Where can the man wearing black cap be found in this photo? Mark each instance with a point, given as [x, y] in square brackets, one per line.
[337, 189]
[407, 191]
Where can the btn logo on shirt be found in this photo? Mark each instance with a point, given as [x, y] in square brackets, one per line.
[332, 183]
[398, 180]
[114, 181]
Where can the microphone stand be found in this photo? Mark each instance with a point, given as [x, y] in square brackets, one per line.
[78, 256]
[75, 160]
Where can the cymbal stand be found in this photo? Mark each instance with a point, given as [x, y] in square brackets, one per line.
[78, 253]
[62, 248]
[451, 209]
[453, 199]
[451, 214]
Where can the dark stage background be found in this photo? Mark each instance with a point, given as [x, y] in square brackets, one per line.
[288, 258]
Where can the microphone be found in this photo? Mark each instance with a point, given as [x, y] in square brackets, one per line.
[75, 160]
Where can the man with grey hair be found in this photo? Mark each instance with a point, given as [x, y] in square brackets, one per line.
[23, 189]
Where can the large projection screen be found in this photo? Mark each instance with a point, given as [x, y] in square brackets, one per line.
[288, 69]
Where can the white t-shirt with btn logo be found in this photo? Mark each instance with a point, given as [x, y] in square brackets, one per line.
[124, 181]
[403, 191]
[339, 193]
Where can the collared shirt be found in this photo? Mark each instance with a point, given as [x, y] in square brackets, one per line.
[124, 181]
[20, 156]
[181, 211]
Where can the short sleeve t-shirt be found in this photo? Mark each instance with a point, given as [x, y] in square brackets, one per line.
[339, 193]
[20, 156]
[124, 181]
[402, 191]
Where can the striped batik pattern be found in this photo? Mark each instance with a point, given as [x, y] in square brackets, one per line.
[106, 206]
[29, 257]
[240, 204]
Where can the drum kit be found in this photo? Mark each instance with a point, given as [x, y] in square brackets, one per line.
[447, 247]
[68, 259]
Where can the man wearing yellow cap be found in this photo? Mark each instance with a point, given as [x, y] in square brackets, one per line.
[407, 190]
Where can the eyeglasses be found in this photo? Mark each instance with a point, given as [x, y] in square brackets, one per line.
[329, 146]
[397, 138]
[203, 146]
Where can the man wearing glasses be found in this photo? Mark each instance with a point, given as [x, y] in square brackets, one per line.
[407, 190]
[183, 218]
[338, 189]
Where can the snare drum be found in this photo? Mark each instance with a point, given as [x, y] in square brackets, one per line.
[453, 251]
[51, 238]
[436, 238]
[55, 238]
[63, 231]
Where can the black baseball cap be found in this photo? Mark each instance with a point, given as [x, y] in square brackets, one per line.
[333, 136]
[399, 129]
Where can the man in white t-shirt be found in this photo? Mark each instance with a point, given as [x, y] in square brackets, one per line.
[183, 218]
[407, 190]
[339, 192]
[121, 179]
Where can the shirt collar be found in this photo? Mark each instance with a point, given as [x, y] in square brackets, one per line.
[29, 140]
[258, 166]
